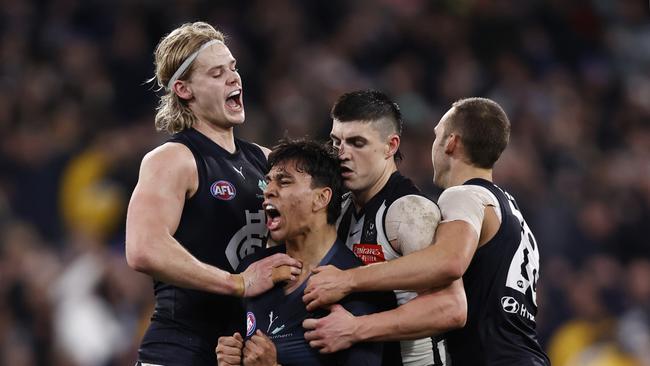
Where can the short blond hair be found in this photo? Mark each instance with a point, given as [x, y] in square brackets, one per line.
[173, 113]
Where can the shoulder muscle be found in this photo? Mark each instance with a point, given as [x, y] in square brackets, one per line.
[467, 203]
[411, 223]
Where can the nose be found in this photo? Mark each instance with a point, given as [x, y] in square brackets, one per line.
[342, 153]
[270, 190]
[233, 77]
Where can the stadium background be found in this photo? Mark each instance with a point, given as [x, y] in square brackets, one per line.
[574, 77]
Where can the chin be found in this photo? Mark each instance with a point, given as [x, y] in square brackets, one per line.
[278, 237]
[238, 120]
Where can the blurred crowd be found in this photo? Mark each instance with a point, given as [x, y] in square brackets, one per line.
[77, 116]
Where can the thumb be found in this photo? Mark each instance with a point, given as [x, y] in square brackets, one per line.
[317, 269]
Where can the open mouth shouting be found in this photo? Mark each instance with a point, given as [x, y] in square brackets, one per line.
[273, 216]
[234, 101]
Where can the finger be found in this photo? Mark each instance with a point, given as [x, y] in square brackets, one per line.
[282, 273]
[314, 304]
[238, 337]
[251, 348]
[309, 288]
[229, 342]
[318, 269]
[227, 351]
[310, 323]
[227, 360]
[280, 259]
[257, 339]
[316, 344]
[312, 335]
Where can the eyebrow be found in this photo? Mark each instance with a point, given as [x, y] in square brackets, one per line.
[350, 138]
[279, 175]
[213, 68]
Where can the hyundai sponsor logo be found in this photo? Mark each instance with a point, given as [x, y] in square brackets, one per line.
[509, 304]
[512, 306]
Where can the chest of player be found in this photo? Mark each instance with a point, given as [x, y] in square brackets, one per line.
[366, 235]
[231, 184]
[226, 211]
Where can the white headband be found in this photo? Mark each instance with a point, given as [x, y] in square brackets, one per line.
[188, 61]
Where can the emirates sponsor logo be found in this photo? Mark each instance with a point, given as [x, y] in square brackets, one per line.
[369, 253]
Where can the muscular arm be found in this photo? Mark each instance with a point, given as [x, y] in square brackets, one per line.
[429, 314]
[470, 222]
[167, 175]
[435, 266]
[435, 311]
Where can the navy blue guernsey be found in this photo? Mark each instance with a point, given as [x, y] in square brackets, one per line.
[501, 287]
[280, 317]
[220, 224]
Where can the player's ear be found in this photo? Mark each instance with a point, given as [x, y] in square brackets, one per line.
[322, 198]
[393, 145]
[452, 143]
[182, 89]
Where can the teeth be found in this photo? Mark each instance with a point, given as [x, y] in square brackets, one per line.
[234, 93]
[269, 207]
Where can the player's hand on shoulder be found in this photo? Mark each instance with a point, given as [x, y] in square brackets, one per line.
[262, 275]
[326, 286]
[259, 350]
[229, 350]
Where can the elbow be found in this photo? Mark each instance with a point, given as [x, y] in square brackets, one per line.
[458, 309]
[453, 270]
[137, 258]
[458, 318]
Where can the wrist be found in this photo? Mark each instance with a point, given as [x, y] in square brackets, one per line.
[238, 285]
[351, 280]
[359, 333]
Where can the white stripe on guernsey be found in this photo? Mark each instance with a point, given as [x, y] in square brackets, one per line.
[188, 61]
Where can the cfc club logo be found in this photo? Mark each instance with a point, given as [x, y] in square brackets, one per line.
[250, 324]
[223, 190]
[509, 304]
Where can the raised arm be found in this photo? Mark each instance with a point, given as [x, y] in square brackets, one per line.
[167, 177]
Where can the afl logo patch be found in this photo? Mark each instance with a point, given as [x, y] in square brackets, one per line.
[223, 190]
[250, 324]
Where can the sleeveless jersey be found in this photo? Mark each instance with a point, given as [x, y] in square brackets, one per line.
[501, 285]
[219, 225]
[280, 317]
[364, 233]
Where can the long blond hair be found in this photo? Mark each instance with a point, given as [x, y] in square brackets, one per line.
[173, 113]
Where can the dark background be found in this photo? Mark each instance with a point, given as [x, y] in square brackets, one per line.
[76, 116]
